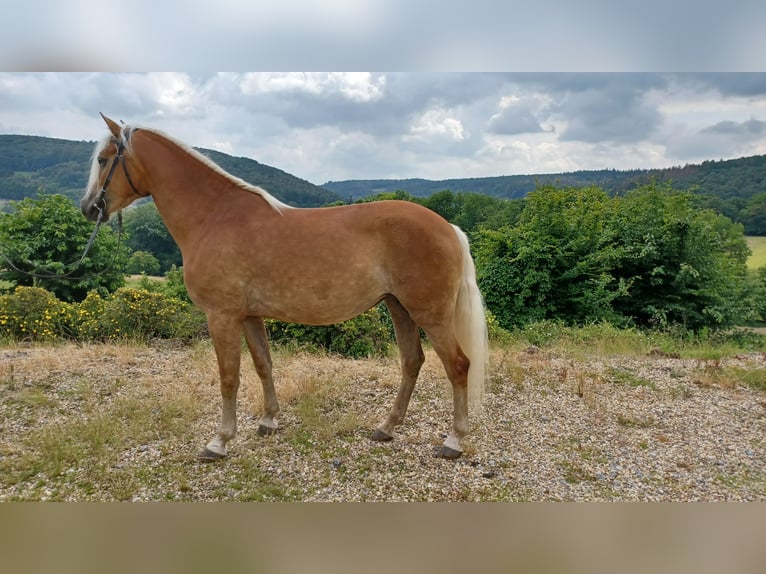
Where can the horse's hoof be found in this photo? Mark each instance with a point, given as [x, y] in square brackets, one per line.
[264, 430]
[208, 455]
[448, 453]
[380, 436]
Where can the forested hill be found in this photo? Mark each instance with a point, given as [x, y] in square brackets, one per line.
[736, 188]
[32, 164]
[729, 180]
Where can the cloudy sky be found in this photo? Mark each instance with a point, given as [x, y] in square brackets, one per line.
[336, 126]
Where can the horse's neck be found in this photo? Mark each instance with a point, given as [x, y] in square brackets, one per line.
[185, 190]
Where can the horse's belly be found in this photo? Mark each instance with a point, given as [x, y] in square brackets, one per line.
[313, 306]
[318, 314]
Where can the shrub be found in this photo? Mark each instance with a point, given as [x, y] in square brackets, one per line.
[554, 264]
[174, 285]
[137, 314]
[171, 286]
[495, 332]
[88, 317]
[541, 333]
[34, 314]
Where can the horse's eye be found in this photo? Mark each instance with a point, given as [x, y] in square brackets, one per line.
[102, 161]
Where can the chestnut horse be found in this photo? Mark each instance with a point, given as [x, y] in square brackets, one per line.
[247, 256]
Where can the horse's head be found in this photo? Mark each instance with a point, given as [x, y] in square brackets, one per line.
[110, 186]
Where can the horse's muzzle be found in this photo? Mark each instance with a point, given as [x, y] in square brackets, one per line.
[92, 211]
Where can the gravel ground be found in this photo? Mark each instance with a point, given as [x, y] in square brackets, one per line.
[554, 427]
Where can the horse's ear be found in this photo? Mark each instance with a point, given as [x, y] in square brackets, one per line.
[113, 126]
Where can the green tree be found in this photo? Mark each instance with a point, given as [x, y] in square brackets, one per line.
[142, 262]
[753, 217]
[555, 263]
[757, 281]
[445, 203]
[685, 265]
[484, 211]
[147, 232]
[651, 258]
[46, 236]
[387, 195]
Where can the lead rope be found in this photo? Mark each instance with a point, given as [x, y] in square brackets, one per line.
[100, 205]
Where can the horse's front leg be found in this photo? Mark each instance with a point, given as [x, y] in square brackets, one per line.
[225, 334]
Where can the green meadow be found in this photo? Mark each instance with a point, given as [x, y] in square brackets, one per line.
[758, 246]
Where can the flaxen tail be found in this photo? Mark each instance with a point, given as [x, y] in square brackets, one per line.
[471, 326]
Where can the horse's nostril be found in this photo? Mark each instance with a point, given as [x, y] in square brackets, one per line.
[90, 211]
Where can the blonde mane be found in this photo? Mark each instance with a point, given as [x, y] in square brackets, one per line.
[128, 131]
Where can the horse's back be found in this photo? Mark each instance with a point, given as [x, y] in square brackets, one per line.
[393, 230]
[402, 224]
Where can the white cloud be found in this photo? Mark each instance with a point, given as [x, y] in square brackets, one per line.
[354, 86]
[436, 124]
[332, 126]
[174, 92]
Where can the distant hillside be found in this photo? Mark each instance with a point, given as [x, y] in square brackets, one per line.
[738, 179]
[504, 186]
[30, 164]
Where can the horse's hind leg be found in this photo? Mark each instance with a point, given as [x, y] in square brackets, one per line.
[257, 342]
[411, 353]
[456, 364]
[225, 333]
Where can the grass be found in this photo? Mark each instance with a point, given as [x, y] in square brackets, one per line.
[93, 443]
[91, 423]
[603, 339]
[627, 376]
[758, 247]
[713, 374]
[141, 281]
